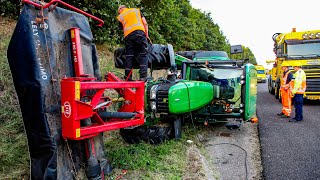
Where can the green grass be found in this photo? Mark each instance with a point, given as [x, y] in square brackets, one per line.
[14, 157]
[106, 61]
[146, 161]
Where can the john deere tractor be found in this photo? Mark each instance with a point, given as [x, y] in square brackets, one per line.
[201, 86]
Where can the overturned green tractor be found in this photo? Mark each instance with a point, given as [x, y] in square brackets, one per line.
[201, 86]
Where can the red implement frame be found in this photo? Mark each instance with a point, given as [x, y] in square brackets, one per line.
[65, 4]
[75, 109]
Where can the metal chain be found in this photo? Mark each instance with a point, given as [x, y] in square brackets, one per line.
[74, 171]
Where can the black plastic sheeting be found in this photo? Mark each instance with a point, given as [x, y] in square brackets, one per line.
[39, 56]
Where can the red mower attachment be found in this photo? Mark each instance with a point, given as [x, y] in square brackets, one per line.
[77, 106]
[82, 98]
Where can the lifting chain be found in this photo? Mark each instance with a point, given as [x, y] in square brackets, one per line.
[74, 170]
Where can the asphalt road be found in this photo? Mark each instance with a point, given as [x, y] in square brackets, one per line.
[289, 150]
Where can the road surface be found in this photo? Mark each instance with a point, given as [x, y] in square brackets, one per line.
[289, 150]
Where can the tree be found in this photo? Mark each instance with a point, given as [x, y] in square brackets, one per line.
[247, 54]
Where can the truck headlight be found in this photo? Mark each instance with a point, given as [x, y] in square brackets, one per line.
[241, 76]
[241, 111]
[241, 105]
[153, 92]
[311, 35]
[153, 105]
[242, 82]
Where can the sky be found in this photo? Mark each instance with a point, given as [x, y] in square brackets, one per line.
[253, 22]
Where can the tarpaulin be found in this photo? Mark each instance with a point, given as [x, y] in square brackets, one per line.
[39, 56]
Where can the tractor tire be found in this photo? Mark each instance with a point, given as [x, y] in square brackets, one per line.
[159, 57]
[119, 57]
[155, 134]
[188, 54]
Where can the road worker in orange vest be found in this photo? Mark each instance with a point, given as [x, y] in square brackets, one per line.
[285, 90]
[298, 88]
[135, 28]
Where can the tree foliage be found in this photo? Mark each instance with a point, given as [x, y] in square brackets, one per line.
[170, 21]
[247, 54]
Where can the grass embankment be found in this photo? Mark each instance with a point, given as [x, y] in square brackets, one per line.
[14, 158]
[145, 161]
[142, 161]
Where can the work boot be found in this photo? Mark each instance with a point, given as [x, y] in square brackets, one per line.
[293, 120]
[280, 114]
[285, 116]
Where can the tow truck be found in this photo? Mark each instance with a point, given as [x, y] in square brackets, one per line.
[303, 46]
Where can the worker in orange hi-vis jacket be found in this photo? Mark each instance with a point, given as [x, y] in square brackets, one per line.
[135, 29]
[285, 91]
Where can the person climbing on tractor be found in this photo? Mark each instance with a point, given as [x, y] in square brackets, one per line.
[135, 28]
[285, 91]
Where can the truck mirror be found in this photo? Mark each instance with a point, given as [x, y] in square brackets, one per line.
[279, 52]
[236, 49]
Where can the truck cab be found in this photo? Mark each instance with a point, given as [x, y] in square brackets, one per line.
[302, 47]
[261, 73]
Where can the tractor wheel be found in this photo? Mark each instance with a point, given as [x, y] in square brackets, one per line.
[158, 57]
[119, 57]
[188, 54]
[155, 134]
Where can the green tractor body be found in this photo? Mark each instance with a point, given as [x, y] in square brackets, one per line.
[181, 97]
[210, 92]
[212, 88]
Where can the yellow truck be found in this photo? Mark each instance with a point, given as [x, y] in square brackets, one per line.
[271, 79]
[291, 47]
[261, 73]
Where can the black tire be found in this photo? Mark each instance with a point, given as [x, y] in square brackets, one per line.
[119, 57]
[272, 90]
[158, 57]
[277, 92]
[269, 86]
[151, 134]
[188, 54]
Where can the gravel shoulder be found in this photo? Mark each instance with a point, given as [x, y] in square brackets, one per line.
[227, 154]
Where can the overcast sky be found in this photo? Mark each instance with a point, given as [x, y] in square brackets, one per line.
[253, 22]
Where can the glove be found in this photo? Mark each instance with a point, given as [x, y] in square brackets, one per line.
[291, 94]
